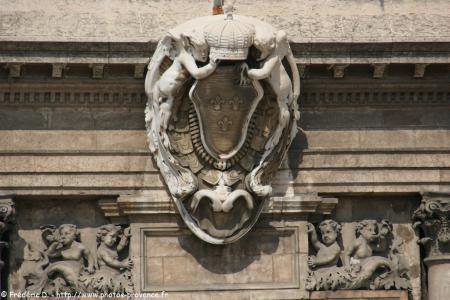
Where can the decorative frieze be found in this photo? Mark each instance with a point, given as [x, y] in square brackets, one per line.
[373, 260]
[377, 97]
[71, 96]
[66, 265]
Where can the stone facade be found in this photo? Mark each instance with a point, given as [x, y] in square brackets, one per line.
[361, 196]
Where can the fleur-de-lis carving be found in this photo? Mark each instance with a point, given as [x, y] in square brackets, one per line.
[224, 124]
[216, 103]
[235, 103]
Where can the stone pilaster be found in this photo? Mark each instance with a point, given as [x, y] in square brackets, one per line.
[432, 221]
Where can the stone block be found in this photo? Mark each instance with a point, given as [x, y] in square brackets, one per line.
[266, 259]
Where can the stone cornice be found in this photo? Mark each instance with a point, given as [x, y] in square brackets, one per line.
[306, 53]
[127, 205]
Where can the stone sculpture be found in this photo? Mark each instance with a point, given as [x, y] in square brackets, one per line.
[372, 261]
[219, 132]
[66, 265]
[431, 219]
[432, 225]
[7, 213]
[113, 274]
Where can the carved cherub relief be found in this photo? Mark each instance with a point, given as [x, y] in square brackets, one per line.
[328, 251]
[67, 265]
[184, 51]
[371, 261]
[64, 244]
[113, 274]
[273, 50]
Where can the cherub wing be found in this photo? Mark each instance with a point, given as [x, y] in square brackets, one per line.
[153, 74]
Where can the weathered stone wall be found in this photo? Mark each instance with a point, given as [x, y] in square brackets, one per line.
[375, 119]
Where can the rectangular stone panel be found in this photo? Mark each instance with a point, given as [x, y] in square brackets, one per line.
[178, 261]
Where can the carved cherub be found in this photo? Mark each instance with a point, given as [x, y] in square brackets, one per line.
[370, 236]
[112, 274]
[183, 51]
[64, 245]
[273, 50]
[328, 252]
[107, 252]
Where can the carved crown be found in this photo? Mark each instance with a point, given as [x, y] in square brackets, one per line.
[229, 39]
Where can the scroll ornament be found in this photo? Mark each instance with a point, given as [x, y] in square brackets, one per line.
[431, 220]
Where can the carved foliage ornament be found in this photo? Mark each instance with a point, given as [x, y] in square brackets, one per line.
[221, 113]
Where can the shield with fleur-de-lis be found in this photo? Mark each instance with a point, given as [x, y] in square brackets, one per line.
[225, 103]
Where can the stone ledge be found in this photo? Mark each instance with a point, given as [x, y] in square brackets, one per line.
[159, 203]
[137, 53]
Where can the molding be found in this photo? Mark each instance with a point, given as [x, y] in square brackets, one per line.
[159, 203]
[365, 96]
[306, 53]
[75, 95]
[324, 93]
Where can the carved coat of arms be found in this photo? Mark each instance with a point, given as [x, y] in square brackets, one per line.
[221, 114]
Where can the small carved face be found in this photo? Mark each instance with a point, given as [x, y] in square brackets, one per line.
[67, 235]
[265, 47]
[369, 232]
[110, 238]
[329, 235]
[199, 51]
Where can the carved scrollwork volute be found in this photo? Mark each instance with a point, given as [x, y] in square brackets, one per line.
[431, 219]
